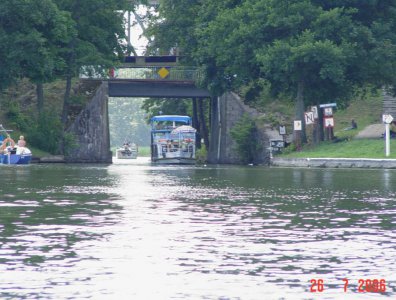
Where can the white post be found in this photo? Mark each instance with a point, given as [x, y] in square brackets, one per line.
[387, 139]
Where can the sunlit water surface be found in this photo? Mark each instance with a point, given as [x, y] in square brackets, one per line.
[132, 230]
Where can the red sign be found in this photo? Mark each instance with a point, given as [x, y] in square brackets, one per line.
[328, 122]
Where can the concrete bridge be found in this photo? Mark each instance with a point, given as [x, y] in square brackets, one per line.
[153, 77]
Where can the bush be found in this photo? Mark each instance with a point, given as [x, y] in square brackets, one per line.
[246, 137]
[201, 155]
[17, 119]
[46, 133]
[69, 143]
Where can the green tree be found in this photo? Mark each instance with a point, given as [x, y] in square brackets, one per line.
[173, 26]
[164, 106]
[32, 34]
[313, 51]
[99, 26]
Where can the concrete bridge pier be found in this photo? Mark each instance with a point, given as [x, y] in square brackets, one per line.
[91, 131]
[226, 111]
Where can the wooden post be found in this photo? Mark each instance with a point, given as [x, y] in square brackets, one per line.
[297, 134]
[298, 139]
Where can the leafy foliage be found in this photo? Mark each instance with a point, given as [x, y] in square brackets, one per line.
[46, 133]
[32, 34]
[244, 133]
[201, 155]
[157, 106]
[16, 117]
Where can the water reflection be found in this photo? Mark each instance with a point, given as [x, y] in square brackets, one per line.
[49, 212]
[136, 231]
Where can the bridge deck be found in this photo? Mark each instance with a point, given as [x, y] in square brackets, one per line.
[155, 89]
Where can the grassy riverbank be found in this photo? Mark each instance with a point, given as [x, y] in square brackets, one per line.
[359, 148]
[365, 111]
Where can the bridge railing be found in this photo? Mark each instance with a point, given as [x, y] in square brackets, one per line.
[146, 73]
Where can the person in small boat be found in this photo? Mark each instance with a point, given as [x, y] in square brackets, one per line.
[126, 145]
[21, 142]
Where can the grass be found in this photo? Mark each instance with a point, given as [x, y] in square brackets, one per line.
[38, 153]
[365, 110]
[358, 148]
[144, 151]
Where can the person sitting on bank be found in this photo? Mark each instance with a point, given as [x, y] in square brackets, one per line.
[21, 142]
[353, 125]
[392, 130]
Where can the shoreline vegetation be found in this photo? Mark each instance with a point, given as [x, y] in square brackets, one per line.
[358, 149]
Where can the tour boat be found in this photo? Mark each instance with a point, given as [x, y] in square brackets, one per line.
[172, 140]
[127, 151]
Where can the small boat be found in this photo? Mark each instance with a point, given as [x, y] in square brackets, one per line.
[172, 140]
[127, 151]
[11, 153]
[16, 156]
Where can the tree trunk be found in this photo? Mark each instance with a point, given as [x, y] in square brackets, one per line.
[204, 129]
[66, 102]
[40, 97]
[195, 123]
[300, 109]
[65, 113]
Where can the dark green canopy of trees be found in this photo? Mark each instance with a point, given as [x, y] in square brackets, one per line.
[32, 34]
[45, 40]
[313, 51]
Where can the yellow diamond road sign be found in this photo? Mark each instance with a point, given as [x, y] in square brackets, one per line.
[163, 72]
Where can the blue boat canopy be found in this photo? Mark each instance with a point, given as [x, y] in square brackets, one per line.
[162, 118]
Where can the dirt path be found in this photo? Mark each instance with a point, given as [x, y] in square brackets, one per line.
[373, 131]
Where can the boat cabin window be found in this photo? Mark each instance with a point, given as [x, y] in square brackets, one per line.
[164, 125]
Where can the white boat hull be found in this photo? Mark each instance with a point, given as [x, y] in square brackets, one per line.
[175, 161]
[123, 154]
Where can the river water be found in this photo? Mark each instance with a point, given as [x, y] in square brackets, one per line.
[132, 230]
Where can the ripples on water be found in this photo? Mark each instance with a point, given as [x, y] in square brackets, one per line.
[136, 231]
